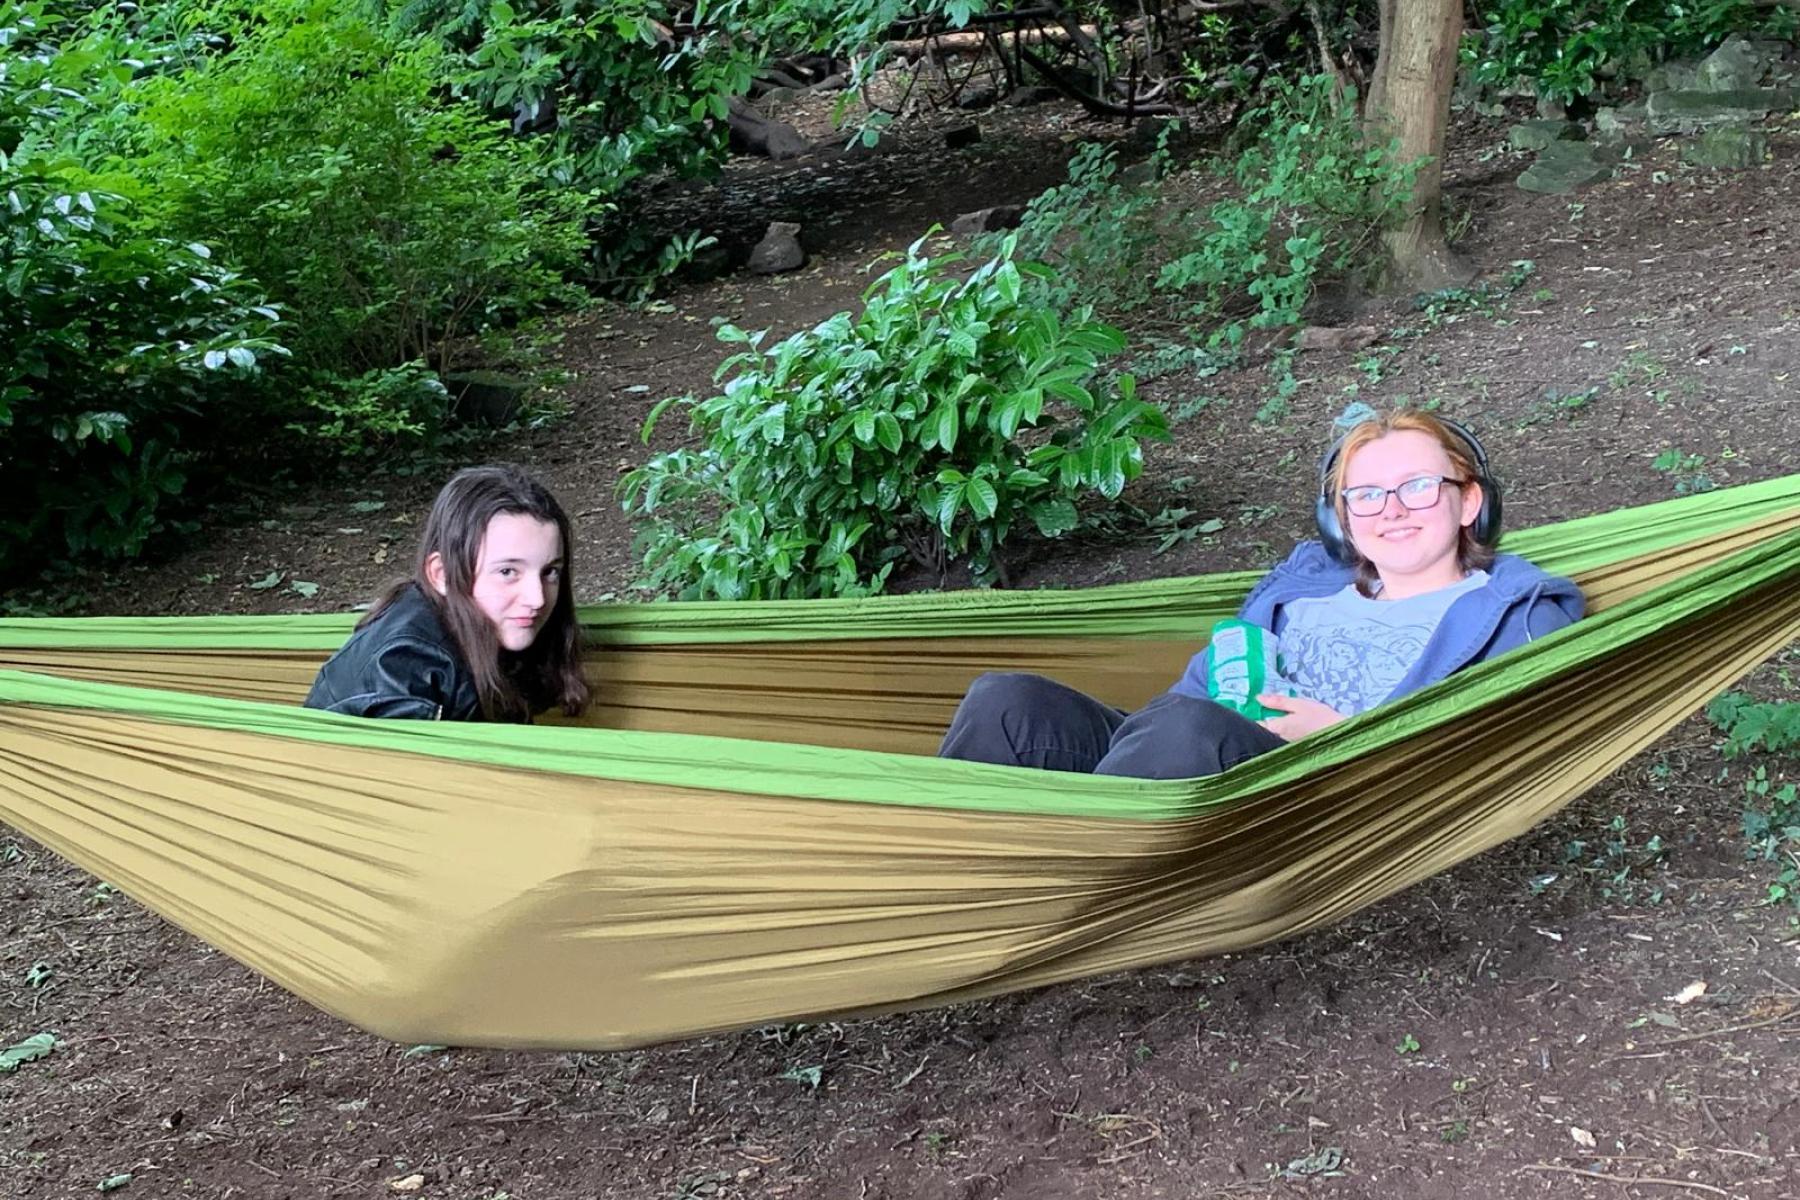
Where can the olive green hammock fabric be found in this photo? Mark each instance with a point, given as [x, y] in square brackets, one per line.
[609, 887]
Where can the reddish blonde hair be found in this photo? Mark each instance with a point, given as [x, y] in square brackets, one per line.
[1471, 555]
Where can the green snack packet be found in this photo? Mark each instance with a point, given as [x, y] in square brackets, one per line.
[1241, 664]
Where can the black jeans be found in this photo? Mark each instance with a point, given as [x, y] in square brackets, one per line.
[1031, 721]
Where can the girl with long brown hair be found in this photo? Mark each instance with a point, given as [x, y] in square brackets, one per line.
[485, 628]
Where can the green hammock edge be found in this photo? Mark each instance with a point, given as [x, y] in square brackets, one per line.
[732, 765]
[1167, 608]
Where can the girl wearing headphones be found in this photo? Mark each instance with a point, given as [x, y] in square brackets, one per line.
[1402, 589]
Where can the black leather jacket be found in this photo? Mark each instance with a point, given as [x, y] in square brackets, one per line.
[403, 664]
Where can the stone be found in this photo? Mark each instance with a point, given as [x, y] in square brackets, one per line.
[1691, 111]
[1562, 167]
[987, 220]
[980, 96]
[1344, 340]
[779, 250]
[958, 136]
[1729, 148]
[1535, 135]
[1737, 64]
[1622, 122]
[490, 398]
[1025, 97]
[753, 133]
[1671, 77]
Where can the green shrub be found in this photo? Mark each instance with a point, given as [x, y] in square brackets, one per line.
[933, 424]
[1313, 197]
[1310, 197]
[619, 101]
[392, 223]
[1102, 232]
[1565, 47]
[1770, 732]
[116, 351]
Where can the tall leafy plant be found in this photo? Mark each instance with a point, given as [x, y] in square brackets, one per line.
[118, 351]
[933, 425]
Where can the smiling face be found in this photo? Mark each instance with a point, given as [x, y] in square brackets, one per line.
[1413, 550]
[518, 576]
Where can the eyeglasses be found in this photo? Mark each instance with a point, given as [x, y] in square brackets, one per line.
[1414, 494]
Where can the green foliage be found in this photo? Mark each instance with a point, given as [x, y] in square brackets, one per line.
[1769, 732]
[1310, 194]
[1099, 230]
[935, 423]
[618, 98]
[117, 350]
[1313, 195]
[1616, 865]
[1566, 47]
[391, 222]
[1686, 470]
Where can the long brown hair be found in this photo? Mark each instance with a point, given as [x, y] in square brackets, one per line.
[511, 686]
[1471, 555]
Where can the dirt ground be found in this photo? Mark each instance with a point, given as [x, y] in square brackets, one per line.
[1528, 1024]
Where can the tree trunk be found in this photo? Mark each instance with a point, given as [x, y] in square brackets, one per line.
[1409, 100]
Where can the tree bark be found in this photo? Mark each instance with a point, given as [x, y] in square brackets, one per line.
[1409, 100]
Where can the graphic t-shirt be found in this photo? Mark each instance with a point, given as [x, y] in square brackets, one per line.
[1350, 652]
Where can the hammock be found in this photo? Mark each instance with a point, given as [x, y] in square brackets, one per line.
[753, 836]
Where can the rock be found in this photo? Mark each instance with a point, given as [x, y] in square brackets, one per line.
[1621, 122]
[1139, 174]
[1344, 340]
[1024, 97]
[1691, 111]
[987, 220]
[958, 136]
[779, 250]
[707, 264]
[979, 97]
[1535, 135]
[1737, 64]
[778, 98]
[753, 133]
[1564, 166]
[485, 397]
[1730, 148]
[1671, 77]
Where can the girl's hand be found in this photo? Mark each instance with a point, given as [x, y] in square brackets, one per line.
[1303, 716]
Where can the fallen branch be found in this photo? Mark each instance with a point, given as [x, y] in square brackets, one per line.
[1628, 1180]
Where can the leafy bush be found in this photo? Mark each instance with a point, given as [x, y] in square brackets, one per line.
[1100, 230]
[1565, 47]
[115, 349]
[392, 224]
[933, 424]
[1314, 196]
[1310, 197]
[1769, 730]
[618, 100]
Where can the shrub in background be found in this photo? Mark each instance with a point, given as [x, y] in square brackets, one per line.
[932, 425]
[391, 223]
[119, 352]
[1565, 48]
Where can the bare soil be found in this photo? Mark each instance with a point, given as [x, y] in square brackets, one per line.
[1521, 1026]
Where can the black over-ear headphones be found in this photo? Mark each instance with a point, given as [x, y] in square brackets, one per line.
[1331, 531]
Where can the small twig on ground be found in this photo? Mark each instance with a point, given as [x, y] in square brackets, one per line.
[1627, 1180]
[1710, 1033]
